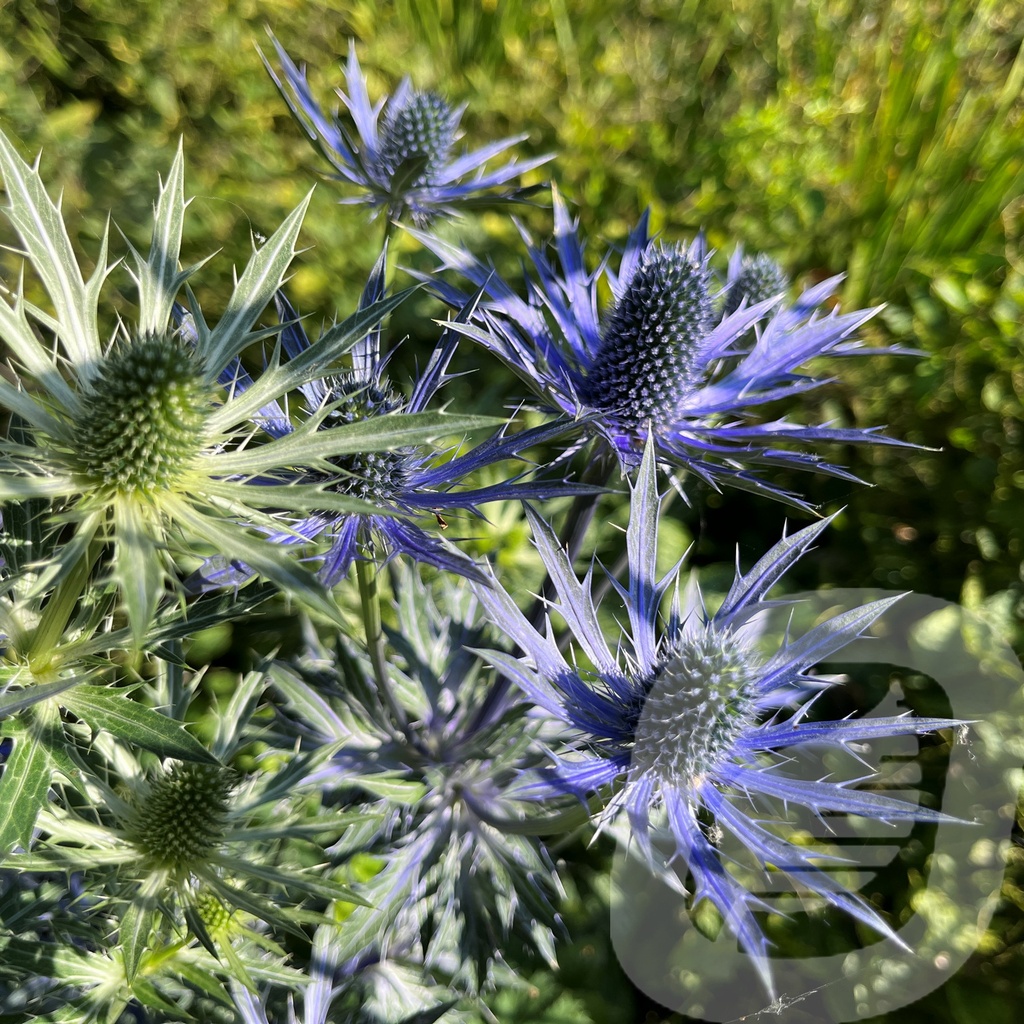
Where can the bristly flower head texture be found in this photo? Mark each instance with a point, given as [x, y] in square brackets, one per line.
[694, 723]
[135, 443]
[663, 357]
[400, 486]
[752, 279]
[400, 157]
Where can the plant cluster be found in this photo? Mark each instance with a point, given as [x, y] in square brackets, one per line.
[371, 824]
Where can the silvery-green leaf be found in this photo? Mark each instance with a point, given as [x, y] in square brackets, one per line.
[254, 291]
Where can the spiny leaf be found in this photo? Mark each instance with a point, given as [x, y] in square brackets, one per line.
[134, 723]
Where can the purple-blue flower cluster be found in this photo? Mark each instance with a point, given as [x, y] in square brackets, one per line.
[670, 354]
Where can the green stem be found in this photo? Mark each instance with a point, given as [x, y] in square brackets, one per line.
[58, 611]
[369, 598]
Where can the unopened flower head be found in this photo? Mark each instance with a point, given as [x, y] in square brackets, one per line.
[143, 416]
[180, 817]
[662, 356]
[137, 442]
[694, 723]
[752, 279]
[399, 155]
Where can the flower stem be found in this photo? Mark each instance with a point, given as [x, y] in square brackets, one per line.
[369, 598]
[61, 605]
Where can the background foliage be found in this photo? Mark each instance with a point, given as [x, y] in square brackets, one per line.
[881, 138]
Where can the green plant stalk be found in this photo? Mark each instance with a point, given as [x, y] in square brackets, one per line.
[369, 599]
[61, 606]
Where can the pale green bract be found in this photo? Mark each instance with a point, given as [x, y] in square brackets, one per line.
[132, 437]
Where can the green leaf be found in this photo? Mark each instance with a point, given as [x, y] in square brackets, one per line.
[134, 723]
[312, 364]
[396, 791]
[41, 228]
[254, 291]
[159, 277]
[149, 995]
[276, 565]
[25, 782]
[289, 880]
[133, 935]
[49, 960]
[261, 909]
[34, 357]
[12, 703]
[292, 497]
[16, 484]
[378, 433]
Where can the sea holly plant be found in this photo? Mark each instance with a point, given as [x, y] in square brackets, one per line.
[370, 815]
[134, 439]
[693, 724]
[193, 849]
[405, 485]
[400, 155]
[658, 358]
[452, 888]
[64, 661]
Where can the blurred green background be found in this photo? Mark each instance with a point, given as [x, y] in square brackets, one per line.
[880, 139]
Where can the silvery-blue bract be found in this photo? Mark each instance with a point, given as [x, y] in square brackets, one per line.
[457, 873]
[664, 356]
[692, 721]
[401, 154]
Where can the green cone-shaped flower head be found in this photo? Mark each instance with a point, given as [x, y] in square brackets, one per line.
[142, 421]
[180, 817]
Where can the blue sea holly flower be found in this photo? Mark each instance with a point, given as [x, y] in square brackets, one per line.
[694, 724]
[460, 869]
[407, 484]
[661, 356]
[752, 279]
[401, 155]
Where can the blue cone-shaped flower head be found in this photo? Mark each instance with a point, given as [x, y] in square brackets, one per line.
[411, 484]
[664, 355]
[400, 154]
[752, 279]
[695, 723]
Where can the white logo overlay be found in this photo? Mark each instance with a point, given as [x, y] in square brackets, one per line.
[937, 885]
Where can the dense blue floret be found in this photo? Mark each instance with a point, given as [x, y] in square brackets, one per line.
[650, 353]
